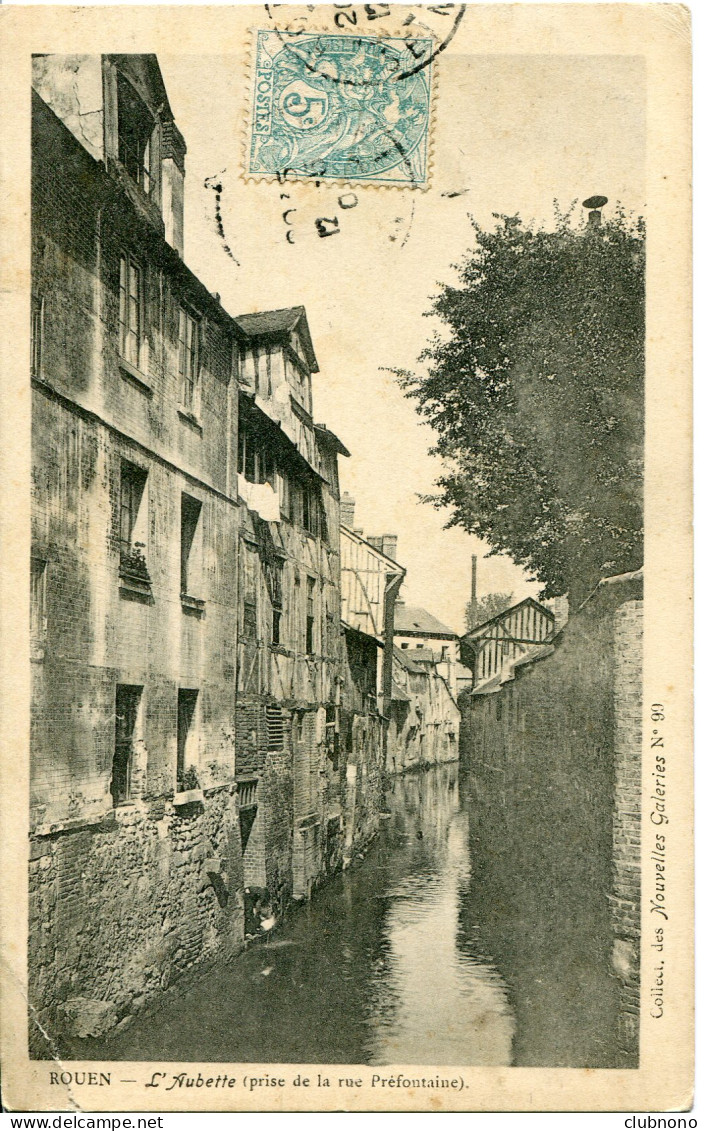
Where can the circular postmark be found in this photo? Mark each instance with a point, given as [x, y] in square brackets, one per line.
[424, 31]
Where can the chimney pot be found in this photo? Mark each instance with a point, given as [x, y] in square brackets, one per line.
[389, 545]
[348, 509]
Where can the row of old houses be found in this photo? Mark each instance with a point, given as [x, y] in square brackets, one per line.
[222, 671]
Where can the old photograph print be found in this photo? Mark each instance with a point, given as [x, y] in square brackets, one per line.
[338, 725]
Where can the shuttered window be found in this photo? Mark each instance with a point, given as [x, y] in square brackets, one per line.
[275, 728]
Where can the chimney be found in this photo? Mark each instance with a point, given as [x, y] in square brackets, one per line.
[595, 205]
[348, 509]
[474, 603]
[173, 153]
[389, 545]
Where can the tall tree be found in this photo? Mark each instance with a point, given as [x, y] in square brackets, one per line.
[536, 393]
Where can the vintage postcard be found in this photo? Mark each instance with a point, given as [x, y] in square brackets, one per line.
[346, 558]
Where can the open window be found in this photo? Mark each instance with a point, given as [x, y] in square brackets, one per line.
[127, 704]
[132, 521]
[187, 743]
[274, 580]
[191, 512]
[38, 607]
[309, 627]
[136, 127]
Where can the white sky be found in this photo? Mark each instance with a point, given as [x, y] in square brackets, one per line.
[533, 128]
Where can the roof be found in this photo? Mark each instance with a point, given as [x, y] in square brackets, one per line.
[495, 682]
[411, 621]
[398, 694]
[506, 612]
[269, 322]
[328, 437]
[353, 536]
[406, 657]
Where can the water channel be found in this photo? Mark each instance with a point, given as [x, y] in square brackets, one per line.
[416, 955]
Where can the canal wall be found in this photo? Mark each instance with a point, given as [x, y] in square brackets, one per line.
[553, 757]
[121, 907]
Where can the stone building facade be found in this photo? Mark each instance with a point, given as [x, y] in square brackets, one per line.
[189, 774]
[135, 849]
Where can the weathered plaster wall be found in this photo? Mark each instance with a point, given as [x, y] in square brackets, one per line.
[554, 758]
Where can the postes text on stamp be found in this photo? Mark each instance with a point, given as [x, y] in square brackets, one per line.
[339, 107]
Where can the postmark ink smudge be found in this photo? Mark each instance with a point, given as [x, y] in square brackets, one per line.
[348, 16]
[216, 185]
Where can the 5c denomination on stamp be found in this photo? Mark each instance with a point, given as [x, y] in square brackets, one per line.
[339, 108]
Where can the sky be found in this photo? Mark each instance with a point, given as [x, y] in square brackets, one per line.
[519, 131]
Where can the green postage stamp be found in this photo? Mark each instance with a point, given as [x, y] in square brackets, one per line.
[341, 108]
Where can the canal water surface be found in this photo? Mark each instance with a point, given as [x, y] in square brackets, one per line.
[400, 960]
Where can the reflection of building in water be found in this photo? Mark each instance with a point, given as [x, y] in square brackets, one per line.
[455, 1003]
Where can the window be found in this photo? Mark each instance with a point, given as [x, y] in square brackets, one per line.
[275, 728]
[188, 360]
[309, 641]
[445, 651]
[132, 487]
[298, 726]
[186, 755]
[404, 645]
[135, 128]
[36, 336]
[285, 496]
[38, 600]
[127, 703]
[307, 509]
[191, 510]
[130, 315]
[274, 579]
[250, 617]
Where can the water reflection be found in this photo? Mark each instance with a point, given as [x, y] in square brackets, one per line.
[431, 994]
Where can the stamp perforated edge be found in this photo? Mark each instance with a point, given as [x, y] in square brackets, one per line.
[300, 178]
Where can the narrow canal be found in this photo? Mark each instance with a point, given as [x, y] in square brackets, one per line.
[403, 959]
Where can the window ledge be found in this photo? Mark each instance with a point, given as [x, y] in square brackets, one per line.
[187, 797]
[190, 419]
[135, 586]
[135, 376]
[192, 604]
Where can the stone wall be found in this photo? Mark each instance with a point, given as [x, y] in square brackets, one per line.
[554, 759]
[120, 907]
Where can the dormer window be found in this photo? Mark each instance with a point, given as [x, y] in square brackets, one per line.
[135, 129]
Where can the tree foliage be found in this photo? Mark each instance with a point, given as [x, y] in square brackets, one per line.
[487, 607]
[536, 394]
